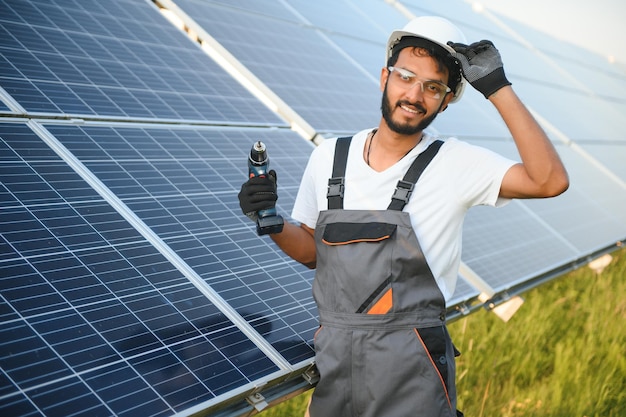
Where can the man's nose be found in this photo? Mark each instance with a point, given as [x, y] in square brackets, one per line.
[416, 91]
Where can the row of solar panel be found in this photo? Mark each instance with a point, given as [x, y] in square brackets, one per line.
[124, 259]
[86, 296]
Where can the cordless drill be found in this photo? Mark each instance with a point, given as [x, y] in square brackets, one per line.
[268, 221]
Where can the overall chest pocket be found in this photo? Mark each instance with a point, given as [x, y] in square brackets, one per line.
[356, 274]
[336, 234]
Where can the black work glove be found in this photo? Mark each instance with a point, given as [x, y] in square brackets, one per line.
[258, 193]
[482, 66]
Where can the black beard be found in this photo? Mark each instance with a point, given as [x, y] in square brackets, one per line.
[404, 129]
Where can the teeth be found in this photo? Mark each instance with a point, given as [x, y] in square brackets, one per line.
[409, 109]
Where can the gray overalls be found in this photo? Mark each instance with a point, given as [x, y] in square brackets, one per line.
[382, 348]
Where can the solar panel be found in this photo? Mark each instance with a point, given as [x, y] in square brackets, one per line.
[294, 60]
[130, 283]
[184, 191]
[92, 311]
[117, 59]
[73, 261]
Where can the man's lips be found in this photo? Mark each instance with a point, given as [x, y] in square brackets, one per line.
[412, 108]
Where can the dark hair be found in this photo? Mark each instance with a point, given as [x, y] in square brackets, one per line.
[443, 58]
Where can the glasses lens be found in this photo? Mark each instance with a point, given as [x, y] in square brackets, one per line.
[408, 80]
[433, 89]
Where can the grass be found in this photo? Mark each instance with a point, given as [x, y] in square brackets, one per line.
[563, 354]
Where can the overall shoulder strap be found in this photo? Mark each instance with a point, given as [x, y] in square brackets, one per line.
[336, 182]
[405, 186]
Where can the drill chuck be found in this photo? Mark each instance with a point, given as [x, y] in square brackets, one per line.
[268, 221]
[258, 156]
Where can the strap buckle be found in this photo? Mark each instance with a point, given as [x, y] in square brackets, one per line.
[335, 187]
[403, 191]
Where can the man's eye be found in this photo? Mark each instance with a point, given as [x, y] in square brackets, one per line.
[405, 77]
[433, 87]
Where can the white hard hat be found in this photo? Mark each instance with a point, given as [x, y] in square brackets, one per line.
[435, 29]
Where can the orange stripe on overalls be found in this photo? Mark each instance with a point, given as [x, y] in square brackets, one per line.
[383, 305]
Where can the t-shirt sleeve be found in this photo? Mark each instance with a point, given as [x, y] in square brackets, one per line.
[306, 207]
[478, 174]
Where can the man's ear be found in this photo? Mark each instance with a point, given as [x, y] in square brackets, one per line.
[384, 74]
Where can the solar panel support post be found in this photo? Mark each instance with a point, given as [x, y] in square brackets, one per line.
[257, 401]
[311, 375]
[506, 307]
[504, 310]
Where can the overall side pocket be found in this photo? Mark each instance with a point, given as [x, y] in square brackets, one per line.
[435, 342]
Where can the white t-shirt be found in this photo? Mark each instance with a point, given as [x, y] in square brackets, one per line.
[459, 177]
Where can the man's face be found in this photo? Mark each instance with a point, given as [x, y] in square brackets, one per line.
[406, 109]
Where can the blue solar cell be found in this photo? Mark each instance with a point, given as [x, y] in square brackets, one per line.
[28, 95]
[28, 12]
[26, 358]
[26, 235]
[126, 393]
[67, 397]
[18, 405]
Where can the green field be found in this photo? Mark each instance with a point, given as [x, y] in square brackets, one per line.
[563, 354]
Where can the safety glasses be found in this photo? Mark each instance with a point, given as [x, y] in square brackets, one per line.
[407, 80]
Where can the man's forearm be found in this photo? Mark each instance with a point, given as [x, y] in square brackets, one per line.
[542, 173]
[298, 243]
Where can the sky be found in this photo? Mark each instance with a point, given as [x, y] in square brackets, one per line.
[597, 25]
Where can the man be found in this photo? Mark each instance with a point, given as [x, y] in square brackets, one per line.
[387, 245]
